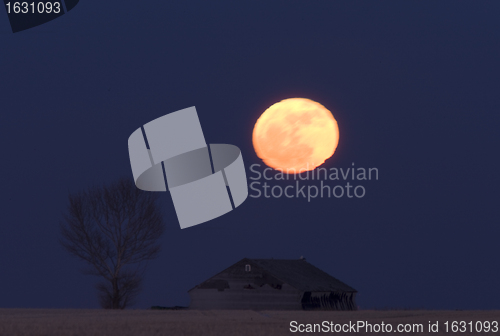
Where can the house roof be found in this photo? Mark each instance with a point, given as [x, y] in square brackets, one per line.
[297, 273]
[302, 275]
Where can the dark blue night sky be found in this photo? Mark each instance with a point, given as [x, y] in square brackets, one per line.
[413, 85]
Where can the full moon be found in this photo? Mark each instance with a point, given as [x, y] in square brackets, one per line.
[295, 135]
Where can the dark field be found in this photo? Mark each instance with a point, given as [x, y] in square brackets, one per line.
[72, 322]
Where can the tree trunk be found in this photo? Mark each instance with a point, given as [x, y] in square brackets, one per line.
[116, 294]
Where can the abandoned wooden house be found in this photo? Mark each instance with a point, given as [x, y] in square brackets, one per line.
[273, 284]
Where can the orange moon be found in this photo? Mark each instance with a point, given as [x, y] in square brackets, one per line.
[295, 135]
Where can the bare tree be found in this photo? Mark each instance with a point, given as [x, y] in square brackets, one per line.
[115, 229]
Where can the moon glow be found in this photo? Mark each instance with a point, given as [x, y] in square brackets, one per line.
[295, 135]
